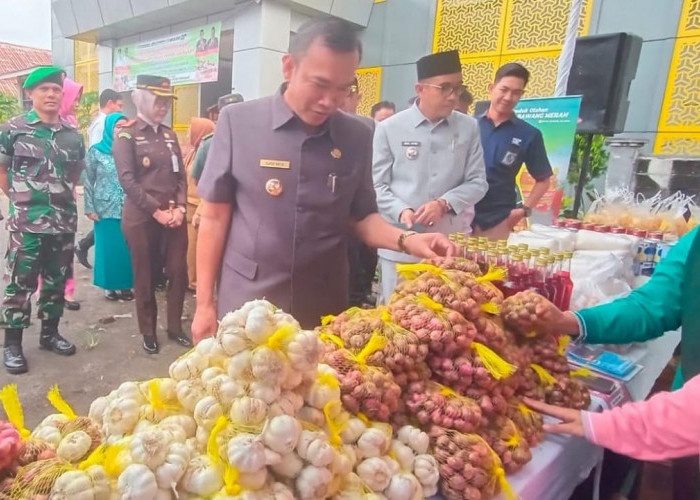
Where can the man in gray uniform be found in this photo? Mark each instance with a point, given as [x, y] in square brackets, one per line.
[288, 178]
[428, 162]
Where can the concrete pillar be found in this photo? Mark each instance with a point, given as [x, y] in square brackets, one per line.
[104, 67]
[260, 39]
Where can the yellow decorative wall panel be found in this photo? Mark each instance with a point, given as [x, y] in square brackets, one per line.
[477, 74]
[677, 144]
[679, 121]
[489, 33]
[369, 80]
[474, 27]
[536, 25]
[690, 18]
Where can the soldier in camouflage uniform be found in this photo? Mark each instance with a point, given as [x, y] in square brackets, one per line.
[41, 157]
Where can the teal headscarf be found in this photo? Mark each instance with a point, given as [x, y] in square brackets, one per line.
[105, 145]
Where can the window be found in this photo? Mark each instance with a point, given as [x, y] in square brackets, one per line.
[86, 67]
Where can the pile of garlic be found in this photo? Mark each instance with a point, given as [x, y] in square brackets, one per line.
[251, 414]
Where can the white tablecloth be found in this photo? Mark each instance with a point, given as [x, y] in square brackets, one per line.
[561, 463]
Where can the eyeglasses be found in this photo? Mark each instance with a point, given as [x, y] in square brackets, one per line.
[447, 89]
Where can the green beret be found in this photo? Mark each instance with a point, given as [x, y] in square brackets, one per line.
[43, 74]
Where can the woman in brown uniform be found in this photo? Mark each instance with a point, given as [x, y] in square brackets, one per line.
[153, 176]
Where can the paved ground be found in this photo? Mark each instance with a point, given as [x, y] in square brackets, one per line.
[109, 349]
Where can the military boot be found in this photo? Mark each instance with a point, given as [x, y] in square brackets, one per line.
[13, 357]
[51, 340]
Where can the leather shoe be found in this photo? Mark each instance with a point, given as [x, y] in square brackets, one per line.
[72, 305]
[150, 344]
[54, 342]
[14, 360]
[127, 295]
[82, 255]
[112, 295]
[181, 339]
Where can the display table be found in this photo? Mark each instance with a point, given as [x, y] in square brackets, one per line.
[560, 462]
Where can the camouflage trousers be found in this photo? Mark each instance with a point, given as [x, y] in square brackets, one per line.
[30, 255]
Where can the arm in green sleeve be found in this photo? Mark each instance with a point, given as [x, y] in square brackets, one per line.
[647, 312]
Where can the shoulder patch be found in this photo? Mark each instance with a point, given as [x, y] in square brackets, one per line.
[124, 135]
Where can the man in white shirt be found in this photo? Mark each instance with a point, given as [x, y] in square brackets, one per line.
[428, 164]
[110, 102]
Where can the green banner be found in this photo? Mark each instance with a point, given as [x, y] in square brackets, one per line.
[188, 57]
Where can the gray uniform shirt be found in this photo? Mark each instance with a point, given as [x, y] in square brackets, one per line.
[416, 161]
[289, 248]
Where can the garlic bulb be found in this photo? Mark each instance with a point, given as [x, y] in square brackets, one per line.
[120, 416]
[248, 411]
[211, 351]
[313, 482]
[173, 467]
[97, 408]
[289, 467]
[73, 485]
[48, 434]
[373, 443]
[393, 465]
[150, 447]
[268, 365]
[137, 482]
[315, 448]
[130, 390]
[184, 422]
[281, 492]
[268, 393]
[224, 389]
[202, 477]
[232, 344]
[239, 366]
[403, 454]
[353, 430]
[415, 438]
[292, 379]
[375, 473]
[188, 366]
[404, 486]
[53, 420]
[289, 403]
[253, 480]
[320, 394]
[100, 482]
[74, 446]
[312, 416]
[189, 392]
[246, 452]
[207, 411]
[209, 373]
[259, 325]
[304, 350]
[425, 468]
[282, 434]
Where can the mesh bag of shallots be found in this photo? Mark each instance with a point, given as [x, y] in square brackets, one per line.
[507, 440]
[435, 404]
[469, 468]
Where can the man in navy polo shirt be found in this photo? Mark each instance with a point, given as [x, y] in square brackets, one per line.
[508, 142]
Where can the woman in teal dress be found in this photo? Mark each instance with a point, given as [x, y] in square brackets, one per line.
[104, 200]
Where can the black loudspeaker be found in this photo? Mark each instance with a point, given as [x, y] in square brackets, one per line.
[602, 71]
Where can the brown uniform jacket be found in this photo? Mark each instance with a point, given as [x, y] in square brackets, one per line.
[291, 247]
[144, 160]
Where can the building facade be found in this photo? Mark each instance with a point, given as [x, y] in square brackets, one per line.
[664, 96]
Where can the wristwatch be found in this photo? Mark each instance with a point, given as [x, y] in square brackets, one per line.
[402, 240]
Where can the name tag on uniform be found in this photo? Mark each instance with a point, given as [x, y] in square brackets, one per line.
[413, 144]
[274, 164]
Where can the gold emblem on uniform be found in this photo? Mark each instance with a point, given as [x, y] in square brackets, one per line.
[167, 135]
[146, 162]
[336, 153]
[273, 187]
[412, 153]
